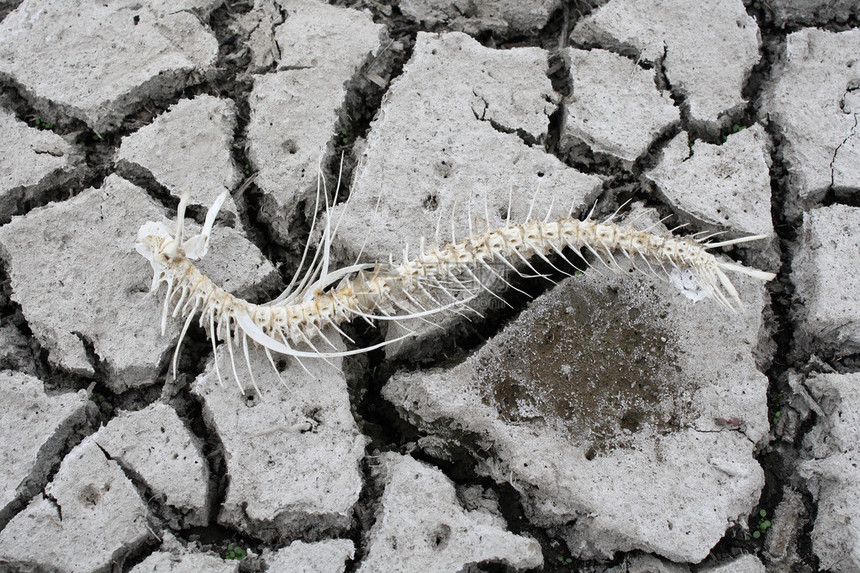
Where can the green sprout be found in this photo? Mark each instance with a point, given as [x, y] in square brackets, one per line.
[778, 404]
[564, 560]
[763, 524]
[735, 129]
[235, 552]
[97, 398]
[349, 131]
[41, 124]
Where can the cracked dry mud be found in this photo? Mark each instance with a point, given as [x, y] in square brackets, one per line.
[600, 422]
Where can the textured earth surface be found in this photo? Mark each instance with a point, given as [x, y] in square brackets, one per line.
[599, 421]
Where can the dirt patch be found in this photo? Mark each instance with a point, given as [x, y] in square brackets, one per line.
[601, 369]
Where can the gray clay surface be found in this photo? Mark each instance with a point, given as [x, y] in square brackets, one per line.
[832, 470]
[707, 49]
[813, 11]
[744, 564]
[292, 454]
[154, 444]
[615, 107]
[329, 556]
[187, 149]
[502, 16]
[31, 162]
[33, 429]
[91, 288]
[828, 312]
[607, 411]
[814, 103]
[189, 563]
[90, 503]
[321, 48]
[726, 185]
[603, 420]
[446, 139]
[46, 49]
[421, 526]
